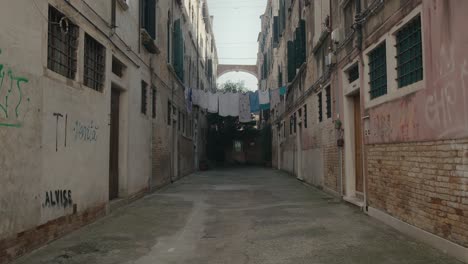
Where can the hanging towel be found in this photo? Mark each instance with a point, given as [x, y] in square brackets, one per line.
[203, 99]
[264, 106]
[283, 90]
[196, 97]
[213, 102]
[244, 108]
[254, 103]
[188, 99]
[275, 98]
[229, 104]
[264, 97]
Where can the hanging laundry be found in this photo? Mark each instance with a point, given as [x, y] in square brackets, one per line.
[203, 99]
[188, 99]
[244, 108]
[213, 100]
[275, 98]
[196, 97]
[254, 102]
[229, 104]
[283, 90]
[264, 99]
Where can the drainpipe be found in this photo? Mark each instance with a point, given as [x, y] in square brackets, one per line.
[150, 181]
[172, 96]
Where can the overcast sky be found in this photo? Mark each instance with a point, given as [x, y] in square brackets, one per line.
[236, 28]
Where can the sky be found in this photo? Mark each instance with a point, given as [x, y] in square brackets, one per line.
[236, 28]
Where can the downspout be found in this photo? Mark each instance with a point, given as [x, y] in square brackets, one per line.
[359, 47]
[172, 94]
[150, 181]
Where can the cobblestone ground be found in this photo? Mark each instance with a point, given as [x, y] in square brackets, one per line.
[243, 215]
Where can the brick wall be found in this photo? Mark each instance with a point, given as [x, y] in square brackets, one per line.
[423, 184]
[331, 158]
[26, 241]
[161, 157]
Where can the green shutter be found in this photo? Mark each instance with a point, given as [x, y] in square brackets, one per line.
[178, 50]
[276, 29]
[302, 32]
[291, 61]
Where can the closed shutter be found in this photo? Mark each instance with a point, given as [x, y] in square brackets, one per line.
[302, 33]
[276, 29]
[291, 61]
[178, 50]
[149, 17]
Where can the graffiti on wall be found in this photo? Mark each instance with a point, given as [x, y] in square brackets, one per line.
[12, 98]
[87, 132]
[58, 198]
[84, 132]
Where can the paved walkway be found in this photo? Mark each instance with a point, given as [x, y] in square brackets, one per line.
[239, 216]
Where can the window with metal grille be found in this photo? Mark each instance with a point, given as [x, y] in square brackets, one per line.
[153, 99]
[148, 17]
[328, 101]
[94, 64]
[320, 106]
[291, 122]
[353, 73]
[409, 53]
[118, 68]
[62, 44]
[378, 71]
[169, 112]
[144, 95]
[305, 116]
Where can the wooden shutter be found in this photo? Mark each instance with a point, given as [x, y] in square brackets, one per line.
[276, 29]
[291, 61]
[178, 50]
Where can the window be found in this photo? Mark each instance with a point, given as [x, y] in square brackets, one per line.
[183, 123]
[237, 146]
[178, 50]
[169, 112]
[94, 64]
[295, 123]
[168, 43]
[179, 121]
[305, 116]
[62, 43]
[291, 122]
[118, 68]
[409, 53]
[153, 99]
[328, 101]
[378, 71]
[320, 106]
[144, 95]
[353, 73]
[148, 17]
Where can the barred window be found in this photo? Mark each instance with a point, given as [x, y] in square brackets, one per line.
[94, 64]
[62, 44]
[305, 116]
[378, 71]
[169, 112]
[320, 106]
[144, 96]
[328, 101]
[153, 99]
[409, 53]
[353, 73]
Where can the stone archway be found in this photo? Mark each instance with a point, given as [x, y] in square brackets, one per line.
[225, 68]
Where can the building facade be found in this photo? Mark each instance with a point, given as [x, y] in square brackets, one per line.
[375, 109]
[94, 108]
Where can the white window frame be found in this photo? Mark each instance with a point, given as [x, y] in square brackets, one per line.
[393, 91]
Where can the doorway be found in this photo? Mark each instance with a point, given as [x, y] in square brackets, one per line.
[358, 145]
[114, 145]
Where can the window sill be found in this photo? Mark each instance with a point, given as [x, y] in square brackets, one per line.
[395, 94]
[148, 42]
[123, 4]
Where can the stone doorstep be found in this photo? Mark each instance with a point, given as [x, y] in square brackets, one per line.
[354, 201]
[448, 247]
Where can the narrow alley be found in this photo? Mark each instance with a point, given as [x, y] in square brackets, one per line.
[245, 215]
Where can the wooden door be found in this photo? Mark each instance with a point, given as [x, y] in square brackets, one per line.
[358, 144]
[114, 146]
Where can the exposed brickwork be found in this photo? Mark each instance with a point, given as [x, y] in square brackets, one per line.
[423, 184]
[331, 161]
[16, 246]
[161, 157]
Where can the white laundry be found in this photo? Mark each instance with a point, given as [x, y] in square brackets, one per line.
[244, 108]
[213, 99]
[196, 97]
[229, 104]
[264, 97]
[275, 97]
[203, 100]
